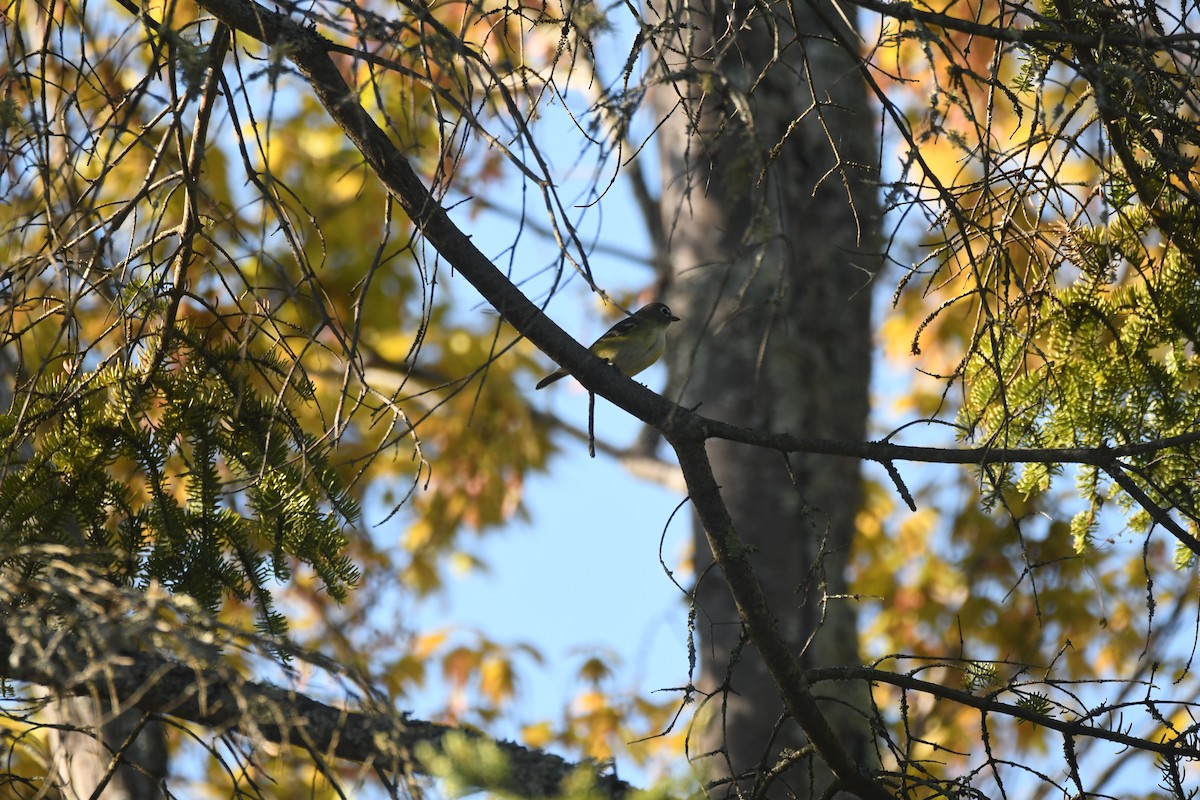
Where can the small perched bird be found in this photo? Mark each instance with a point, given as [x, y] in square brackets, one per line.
[632, 344]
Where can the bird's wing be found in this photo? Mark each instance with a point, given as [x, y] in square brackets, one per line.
[624, 326]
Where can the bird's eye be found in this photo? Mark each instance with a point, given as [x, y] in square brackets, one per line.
[666, 312]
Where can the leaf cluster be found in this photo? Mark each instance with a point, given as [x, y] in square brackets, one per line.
[1106, 360]
[177, 467]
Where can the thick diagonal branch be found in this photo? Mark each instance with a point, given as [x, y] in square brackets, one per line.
[92, 655]
[732, 556]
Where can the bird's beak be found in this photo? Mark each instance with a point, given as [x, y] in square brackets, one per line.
[674, 319]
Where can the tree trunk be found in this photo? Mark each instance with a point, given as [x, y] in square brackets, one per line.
[772, 252]
[81, 761]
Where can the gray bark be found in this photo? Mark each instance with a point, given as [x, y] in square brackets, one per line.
[771, 279]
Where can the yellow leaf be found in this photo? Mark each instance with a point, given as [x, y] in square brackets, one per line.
[428, 643]
[590, 702]
[594, 670]
[496, 679]
[422, 575]
[537, 735]
[458, 664]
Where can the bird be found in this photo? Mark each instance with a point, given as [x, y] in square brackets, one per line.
[631, 345]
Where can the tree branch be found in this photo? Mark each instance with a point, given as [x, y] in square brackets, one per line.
[1053, 34]
[733, 557]
[96, 642]
[1102, 456]
[686, 431]
[309, 51]
[1177, 748]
